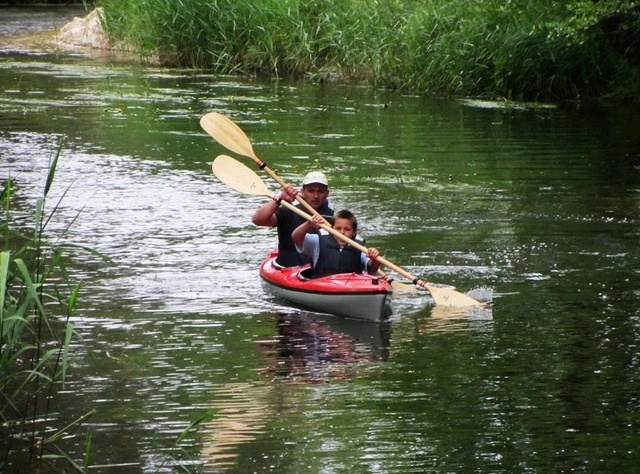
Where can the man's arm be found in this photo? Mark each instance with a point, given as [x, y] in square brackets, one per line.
[265, 215]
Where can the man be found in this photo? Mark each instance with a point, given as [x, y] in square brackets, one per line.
[315, 191]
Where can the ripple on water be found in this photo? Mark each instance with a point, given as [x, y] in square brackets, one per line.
[168, 246]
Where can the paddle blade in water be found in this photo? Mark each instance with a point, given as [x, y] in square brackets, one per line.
[448, 297]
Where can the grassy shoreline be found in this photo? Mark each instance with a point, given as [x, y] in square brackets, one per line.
[534, 50]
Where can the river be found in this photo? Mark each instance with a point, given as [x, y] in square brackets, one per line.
[538, 203]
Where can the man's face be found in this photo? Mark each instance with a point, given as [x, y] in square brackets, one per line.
[315, 194]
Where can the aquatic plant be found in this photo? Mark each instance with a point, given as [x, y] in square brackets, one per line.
[515, 49]
[37, 297]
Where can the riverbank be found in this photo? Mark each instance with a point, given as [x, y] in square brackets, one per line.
[572, 53]
[68, 33]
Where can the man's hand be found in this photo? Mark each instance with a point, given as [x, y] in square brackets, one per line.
[289, 193]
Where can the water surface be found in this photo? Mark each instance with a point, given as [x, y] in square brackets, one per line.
[539, 204]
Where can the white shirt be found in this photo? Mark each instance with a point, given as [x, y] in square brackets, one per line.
[311, 248]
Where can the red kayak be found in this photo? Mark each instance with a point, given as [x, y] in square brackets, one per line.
[352, 295]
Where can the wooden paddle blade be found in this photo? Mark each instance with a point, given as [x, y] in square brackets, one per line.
[406, 287]
[447, 297]
[238, 176]
[227, 133]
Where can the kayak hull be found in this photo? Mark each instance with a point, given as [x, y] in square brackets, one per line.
[350, 295]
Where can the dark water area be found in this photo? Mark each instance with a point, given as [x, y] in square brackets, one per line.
[539, 203]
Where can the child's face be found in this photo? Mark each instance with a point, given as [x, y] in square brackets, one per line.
[345, 227]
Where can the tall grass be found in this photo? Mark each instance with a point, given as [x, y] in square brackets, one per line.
[517, 49]
[37, 298]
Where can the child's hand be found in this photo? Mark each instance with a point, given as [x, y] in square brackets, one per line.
[317, 221]
[373, 253]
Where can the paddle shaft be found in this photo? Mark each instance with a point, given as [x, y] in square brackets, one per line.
[230, 135]
[243, 179]
[262, 165]
[311, 209]
[441, 296]
[355, 244]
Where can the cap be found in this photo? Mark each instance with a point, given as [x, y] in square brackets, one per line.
[315, 177]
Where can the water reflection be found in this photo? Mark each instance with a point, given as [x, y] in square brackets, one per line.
[243, 410]
[315, 349]
[541, 205]
[307, 349]
[33, 19]
[470, 313]
[442, 320]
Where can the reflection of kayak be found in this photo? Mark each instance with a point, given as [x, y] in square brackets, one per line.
[351, 295]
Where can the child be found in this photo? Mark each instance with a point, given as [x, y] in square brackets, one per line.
[330, 254]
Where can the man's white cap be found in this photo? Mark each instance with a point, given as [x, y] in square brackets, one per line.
[315, 177]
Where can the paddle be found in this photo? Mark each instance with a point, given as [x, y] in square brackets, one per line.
[226, 132]
[239, 177]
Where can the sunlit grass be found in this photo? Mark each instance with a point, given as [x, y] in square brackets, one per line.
[514, 49]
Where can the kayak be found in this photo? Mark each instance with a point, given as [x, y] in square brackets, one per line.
[352, 295]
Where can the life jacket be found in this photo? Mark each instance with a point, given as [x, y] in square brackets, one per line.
[288, 220]
[336, 258]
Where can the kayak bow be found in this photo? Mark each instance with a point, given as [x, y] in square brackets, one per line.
[351, 295]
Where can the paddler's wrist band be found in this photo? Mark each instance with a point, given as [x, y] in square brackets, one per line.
[277, 198]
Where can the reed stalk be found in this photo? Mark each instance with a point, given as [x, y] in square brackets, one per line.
[37, 298]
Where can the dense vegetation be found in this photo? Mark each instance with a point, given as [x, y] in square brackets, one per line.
[548, 50]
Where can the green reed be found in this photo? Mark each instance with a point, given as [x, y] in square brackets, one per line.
[37, 298]
[514, 49]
